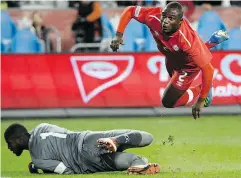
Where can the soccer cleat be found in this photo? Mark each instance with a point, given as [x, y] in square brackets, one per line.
[108, 143]
[218, 37]
[208, 99]
[152, 168]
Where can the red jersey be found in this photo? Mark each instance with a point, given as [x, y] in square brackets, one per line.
[184, 49]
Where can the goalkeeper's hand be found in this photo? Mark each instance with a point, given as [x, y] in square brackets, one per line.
[32, 169]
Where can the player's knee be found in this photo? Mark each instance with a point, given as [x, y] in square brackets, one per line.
[166, 103]
[147, 139]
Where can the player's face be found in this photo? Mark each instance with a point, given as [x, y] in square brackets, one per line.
[15, 146]
[170, 21]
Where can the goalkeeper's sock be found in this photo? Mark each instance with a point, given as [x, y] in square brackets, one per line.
[189, 96]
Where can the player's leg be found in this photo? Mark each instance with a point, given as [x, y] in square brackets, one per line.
[97, 159]
[178, 92]
[119, 140]
[133, 163]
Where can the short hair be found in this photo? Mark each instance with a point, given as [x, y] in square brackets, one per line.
[176, 5]
[15, 130]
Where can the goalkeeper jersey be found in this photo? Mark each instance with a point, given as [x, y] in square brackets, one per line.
[56, 149]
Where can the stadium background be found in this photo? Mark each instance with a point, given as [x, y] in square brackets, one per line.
[45, 79]
[69, 80]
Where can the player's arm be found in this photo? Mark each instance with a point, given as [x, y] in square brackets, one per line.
[136, 12]
[207, 79]
[204, 62]
[207, 75]
[131, 12]
[196, 51]
[192, 46]
[53, 166]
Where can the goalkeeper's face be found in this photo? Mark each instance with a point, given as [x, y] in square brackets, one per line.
[15, 145]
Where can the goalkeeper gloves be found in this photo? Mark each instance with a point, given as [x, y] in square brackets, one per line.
[32, 169]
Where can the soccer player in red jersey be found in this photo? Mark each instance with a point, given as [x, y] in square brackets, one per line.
[186, 54]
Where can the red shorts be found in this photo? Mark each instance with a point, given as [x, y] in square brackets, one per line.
[183, 79]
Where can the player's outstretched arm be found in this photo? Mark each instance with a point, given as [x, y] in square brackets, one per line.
[125, 18]
[131, 12]
[207, 79]
[217, 38]
[202, 58]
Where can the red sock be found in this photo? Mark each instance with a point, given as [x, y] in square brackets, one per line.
[189, 96]
[210, 45]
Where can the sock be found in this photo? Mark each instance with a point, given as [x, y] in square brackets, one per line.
[131, 138]
[139, 161]
[189, 96]
[210, 45]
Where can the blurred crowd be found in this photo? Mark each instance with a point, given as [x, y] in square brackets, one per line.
[92, 29]
[110, 4]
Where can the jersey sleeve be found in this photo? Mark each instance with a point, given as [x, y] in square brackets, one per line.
[52, 166]
[140, 13]
[134, 12]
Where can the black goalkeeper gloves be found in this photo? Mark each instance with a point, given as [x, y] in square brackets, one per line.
[32, 169]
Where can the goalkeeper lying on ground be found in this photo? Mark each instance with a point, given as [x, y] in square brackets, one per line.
[57, 150]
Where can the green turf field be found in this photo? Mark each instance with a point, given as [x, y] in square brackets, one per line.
[205, 148]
